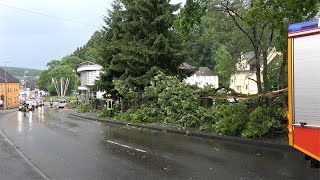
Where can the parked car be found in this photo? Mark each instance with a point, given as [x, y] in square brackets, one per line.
[32, 104]
[31, 107]
[62, 103]
[40, 102]
[24, 107]
[36, 103]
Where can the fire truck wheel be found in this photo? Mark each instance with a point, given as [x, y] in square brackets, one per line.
[315, 163]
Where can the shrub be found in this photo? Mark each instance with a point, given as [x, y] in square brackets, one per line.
[206, 118]
[72, 104]
[103, 112]
[177, 100]
[262, 121]
[145, 114]
[124, 116]
[230, 119]
[84, 107]
[187, 120]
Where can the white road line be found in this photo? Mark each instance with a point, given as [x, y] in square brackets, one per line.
[73, 130]
[140, 150]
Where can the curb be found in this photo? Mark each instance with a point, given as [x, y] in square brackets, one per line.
[231, 139]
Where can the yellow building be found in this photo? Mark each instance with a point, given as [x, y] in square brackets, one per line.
[9, 90]
[244, 78]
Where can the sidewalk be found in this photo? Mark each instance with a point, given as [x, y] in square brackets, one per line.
[12, 165]
[280, 142]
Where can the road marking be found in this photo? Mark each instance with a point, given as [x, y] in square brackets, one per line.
[140, 150]
[42, 174]
[73, 130]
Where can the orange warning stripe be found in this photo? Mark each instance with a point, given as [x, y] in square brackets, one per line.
[307, 152]
[289, 115]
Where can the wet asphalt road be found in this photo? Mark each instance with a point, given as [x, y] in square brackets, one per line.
[67, 148]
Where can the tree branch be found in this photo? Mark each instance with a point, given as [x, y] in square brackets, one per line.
[262, 32]
[237, 24]
[271, 37]
[236, 14]
[226, 88]
[253, 80]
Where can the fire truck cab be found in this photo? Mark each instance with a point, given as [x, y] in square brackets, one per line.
[304, 89]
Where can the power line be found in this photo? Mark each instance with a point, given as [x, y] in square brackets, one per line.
[47, 15]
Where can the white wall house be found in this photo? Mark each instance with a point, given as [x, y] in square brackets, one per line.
[203, 76]
[244, 77]
[89, 73]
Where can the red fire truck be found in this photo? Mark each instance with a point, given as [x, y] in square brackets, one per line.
[304, 89]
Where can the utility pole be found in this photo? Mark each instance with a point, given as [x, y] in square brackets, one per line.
[61, 86]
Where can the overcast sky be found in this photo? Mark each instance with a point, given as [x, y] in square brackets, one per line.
[31, 40]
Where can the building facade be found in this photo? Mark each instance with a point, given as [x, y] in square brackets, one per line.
[28, 89]
[202, 77]
[243, 80]
[9, 90]
[89, 73]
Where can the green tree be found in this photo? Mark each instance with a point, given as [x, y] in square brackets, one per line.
[92, 55]
[252, 19]
[56, 72]
[190, 15]
[208, 29]
[90, 51]
[283, 13]
[111, 32]
[53, 64]
[263, 22]
[44, 82]
[225, 64]
[72, 61]
[138, 36]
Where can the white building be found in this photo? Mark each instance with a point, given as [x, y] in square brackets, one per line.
[243, 80]
[203, 76]
[89, 73]
[29, 89]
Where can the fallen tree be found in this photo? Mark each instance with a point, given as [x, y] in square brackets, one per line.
[231, 93]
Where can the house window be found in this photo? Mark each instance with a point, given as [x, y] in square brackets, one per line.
[246, 87]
